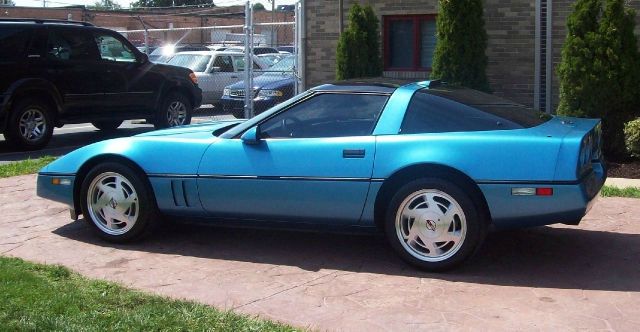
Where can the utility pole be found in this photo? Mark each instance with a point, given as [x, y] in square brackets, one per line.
[273, 20]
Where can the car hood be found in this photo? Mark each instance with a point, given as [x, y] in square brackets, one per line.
[266, 81]
[200, 130]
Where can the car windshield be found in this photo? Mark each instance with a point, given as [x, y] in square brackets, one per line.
[284, 65]
[195, 62]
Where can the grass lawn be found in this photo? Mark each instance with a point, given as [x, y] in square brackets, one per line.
[609, 191]
[35, 297]
[24, 167]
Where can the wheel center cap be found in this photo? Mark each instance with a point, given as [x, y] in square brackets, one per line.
[113, 203]
[431, 225]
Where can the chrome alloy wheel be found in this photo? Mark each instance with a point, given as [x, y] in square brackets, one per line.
[112, 202]
[431, 225]
[176, 114]
[32, 125]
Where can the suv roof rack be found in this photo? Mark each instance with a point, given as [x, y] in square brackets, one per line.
[43, 21]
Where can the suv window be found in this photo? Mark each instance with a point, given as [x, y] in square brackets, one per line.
[71, 45]
[224, 62]
[459, 109]
[13, 42]
[327, 115]
[239, 63]
[112, 49]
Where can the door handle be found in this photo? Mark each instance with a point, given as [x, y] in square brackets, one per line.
[353, 153]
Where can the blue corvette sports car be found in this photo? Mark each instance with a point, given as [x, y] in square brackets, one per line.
[431, 165]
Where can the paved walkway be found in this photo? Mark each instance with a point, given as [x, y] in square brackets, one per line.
[549, 278]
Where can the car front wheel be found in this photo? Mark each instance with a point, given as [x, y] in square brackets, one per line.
[30, 125]
[175, 111]
[434, 224]
[118, 203]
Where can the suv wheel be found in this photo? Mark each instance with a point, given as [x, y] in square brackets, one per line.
[30, 125]
[107, 125]
[175, 111]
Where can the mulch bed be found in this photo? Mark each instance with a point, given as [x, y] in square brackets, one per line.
[629, 169]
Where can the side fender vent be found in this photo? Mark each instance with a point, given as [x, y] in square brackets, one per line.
[180, 190]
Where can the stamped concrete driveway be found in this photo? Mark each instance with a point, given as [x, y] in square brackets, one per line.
[549, 278]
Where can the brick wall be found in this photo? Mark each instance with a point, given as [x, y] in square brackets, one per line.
[510, 25]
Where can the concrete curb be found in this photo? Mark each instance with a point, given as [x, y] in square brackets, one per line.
[622, 182]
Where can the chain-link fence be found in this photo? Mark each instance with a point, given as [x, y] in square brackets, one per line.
[217, 54]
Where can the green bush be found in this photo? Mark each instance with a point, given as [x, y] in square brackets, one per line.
[460, 57]
[358, 53]
[632, 137]
[600, 68]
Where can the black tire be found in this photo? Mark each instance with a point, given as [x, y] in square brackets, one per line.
[165, 114]
[432, 228]
[30, 112]
[144, 208]
[107, 125]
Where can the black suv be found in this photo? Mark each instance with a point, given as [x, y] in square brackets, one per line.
[58, 72]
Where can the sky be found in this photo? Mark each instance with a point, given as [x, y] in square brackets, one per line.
[125, 3]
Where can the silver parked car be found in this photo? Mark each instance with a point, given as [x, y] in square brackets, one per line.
[216, 70]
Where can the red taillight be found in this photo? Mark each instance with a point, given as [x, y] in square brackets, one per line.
[544, 191]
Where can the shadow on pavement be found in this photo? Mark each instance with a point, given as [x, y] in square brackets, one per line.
[566, 258]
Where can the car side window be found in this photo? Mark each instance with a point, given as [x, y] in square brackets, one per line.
[223, 62]
[327, 115]
[429, 113]
[112, 49]
[238, 61]
[71, 45]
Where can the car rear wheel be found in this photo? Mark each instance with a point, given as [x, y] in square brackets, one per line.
[107, 125]
[175, 111]
[30, 125]
[434, 224]
[118, 203]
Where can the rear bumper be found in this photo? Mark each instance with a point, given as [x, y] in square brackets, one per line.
[569, 203]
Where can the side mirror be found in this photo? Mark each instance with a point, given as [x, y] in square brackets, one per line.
[215, 69]
[251, 136]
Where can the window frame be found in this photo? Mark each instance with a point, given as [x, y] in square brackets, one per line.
[314, 95]
[416, 20]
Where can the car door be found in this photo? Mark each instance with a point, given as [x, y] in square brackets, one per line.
[128, 82]
[71, 58]
[213, 82]
[312, 163]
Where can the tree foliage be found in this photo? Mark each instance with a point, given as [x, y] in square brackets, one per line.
[105, 5]
[358, 52]
[258, 6]
[459, 56]
[169, 3]
[600, 68]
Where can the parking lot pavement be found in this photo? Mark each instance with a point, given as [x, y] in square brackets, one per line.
[71, 137]
[583, 277]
